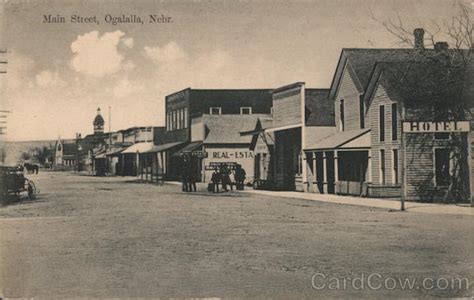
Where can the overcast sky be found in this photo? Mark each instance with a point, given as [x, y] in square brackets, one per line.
[58, 74]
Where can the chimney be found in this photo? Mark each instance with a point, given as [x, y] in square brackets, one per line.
[441, 46]
[419, 38]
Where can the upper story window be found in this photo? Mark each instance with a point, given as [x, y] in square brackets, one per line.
[215, 111]
[245, 110]
[341, 114]
[382, 123]
[394, 122]
[177, 119]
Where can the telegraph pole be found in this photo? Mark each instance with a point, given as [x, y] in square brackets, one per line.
[3, 113]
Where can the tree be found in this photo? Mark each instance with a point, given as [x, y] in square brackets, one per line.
[43, 154]
[436, 83]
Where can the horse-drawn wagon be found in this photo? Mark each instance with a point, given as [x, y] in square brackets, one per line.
[13, 183]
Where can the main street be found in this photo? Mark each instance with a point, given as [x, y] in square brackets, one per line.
[113, 237]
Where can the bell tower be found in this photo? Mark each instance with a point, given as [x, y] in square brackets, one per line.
[98, 123]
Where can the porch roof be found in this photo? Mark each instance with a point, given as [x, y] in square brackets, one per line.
[352, 139]
[138, 147]
[163, 147]
[189, 148]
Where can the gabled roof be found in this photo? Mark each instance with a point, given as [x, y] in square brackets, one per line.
[319, 109]
[360, 63]
[226, 129]
[420, 81]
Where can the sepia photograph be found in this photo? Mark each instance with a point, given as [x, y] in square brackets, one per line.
[236, 149]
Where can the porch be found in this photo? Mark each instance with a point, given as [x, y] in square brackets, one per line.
[339, 164]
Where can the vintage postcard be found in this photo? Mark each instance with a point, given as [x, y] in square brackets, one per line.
[236, 149]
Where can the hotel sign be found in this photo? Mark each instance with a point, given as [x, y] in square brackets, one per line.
[445, 126]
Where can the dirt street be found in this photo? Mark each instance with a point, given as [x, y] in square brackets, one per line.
[111, 237]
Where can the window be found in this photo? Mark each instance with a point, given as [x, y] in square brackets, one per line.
[341, 114]
[361, 112]
[173, 122]
[215, 110]
[394, 122]
[168, 121]
[185, 117]
[245, 110]
[442, 166]
[178, 121]
[382, 167]
[382, 123]
[395, 166]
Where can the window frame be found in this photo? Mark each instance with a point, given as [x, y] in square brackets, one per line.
[395, 166]
[394, 121]
[381, 123]
[215, 107]
[245, 107]
[382, 167]
[341, 115]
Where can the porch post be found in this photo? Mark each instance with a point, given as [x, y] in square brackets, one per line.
[315, 174]
[336, 170]
[369, 167]
[325, 177]
[305, 171]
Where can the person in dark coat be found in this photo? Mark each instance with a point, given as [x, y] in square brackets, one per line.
[225, 172]
[184, 175]
[216, 179]
[192, 176]
[239, 177]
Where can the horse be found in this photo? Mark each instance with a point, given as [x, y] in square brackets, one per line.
[31, 168]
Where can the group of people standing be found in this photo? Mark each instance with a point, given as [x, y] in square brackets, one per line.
[222, 176]
[227, 177]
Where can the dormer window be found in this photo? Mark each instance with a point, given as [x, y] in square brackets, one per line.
[245, 110]
[215, 111]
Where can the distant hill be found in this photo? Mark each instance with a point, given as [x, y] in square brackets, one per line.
[13, 150]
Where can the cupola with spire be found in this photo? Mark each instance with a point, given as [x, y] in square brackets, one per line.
[98, 123]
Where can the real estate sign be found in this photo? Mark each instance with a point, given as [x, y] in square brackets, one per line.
[444, 126]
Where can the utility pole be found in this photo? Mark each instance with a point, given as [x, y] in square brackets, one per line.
[3, 113]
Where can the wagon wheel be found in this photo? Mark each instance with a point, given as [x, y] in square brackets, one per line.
[31, 189]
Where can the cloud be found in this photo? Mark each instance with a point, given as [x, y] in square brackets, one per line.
[20, 69]
[125, 87]
[169, 53]
[97, 55]
[48, 78]
[129, 42]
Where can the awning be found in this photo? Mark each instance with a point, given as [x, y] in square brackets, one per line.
[189, 148]
[116, 151]
[352, 139]
[138, 148]
[160, 148]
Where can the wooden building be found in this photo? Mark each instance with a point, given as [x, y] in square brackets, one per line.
[365, 155]
[297, 113]
[183, 106]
